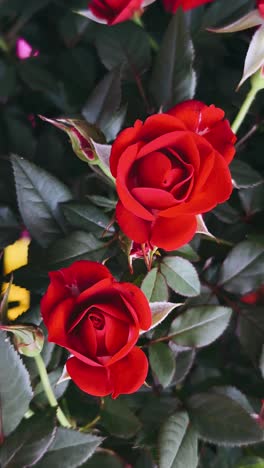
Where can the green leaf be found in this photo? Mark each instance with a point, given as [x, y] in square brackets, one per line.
[119, 46]
[154, 286]
[160, 310]
[200, 326]
[242, 270]
[15, 389]
[36, 76]
[181, 276]
[70, 449]
[226, 213]
[250, 331]
[39, 196]
[162, 361]
[251, 462]
[243, 175]
[104, 103]
[28, 443]
[118, 419]
[188, 451]
[104, 460]
[10, 228]
[186, 251]
[87, 217]
[216, 14]
[254, 58]
[221, 420]
[76, 246]
[173, 79]
[178, 443]
[184, 362]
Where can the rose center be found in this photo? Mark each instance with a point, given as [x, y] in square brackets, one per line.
[97, 320]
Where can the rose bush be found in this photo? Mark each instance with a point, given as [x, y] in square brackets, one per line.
[113, 12]
[98, 320]
[173, 5]
[169, 169]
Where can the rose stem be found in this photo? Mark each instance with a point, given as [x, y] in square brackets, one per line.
[153, 44]
[244, 110]
[256, 84]
[49, 392]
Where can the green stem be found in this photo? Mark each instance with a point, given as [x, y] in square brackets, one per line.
[49, 392]
[153, 44]
[105, 170]
[244, 109]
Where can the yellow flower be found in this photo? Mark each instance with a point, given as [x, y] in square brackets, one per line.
[15, 256]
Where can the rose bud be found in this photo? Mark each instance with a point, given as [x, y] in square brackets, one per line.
[82, 136]
[167, 171]
[109, 12]
[98, 320]
[254, 297]
[24, 49]
[260, 5]
[172, 5]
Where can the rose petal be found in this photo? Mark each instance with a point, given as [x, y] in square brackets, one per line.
[138, 302]
[129, 374]
[172, 233]
[154, 198]
[151, 169]
[116, 334]
[92, 380]
[134, 227]
[124, 174]
[57, 321]
[126, 138]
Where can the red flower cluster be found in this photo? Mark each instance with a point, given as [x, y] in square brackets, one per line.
[169, 169]
[173, 5]
[260, 5]
[115, 11]
[98, 320]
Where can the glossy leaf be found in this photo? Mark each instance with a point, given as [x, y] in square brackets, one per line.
[181, 276]
[118, 419]
[39, 196]
[154, 286]
[87, 217]
[221, 420]
[29, 442]
[242, 270]
[162, 362]
[173, 79]
[200, 326]
[178, 443]
[15, 388]
[78, 245]
[119, 46]
[70, 448]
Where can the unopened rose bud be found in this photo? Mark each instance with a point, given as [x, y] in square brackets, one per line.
[24, 49]
[28, 339]
[82, 136]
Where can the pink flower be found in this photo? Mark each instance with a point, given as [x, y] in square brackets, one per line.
[24, 49]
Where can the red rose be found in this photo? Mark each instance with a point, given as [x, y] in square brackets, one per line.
[169, 169]
[98, 320]
[260, 5]
[115, 11]
[254, 297]
[172, 5]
